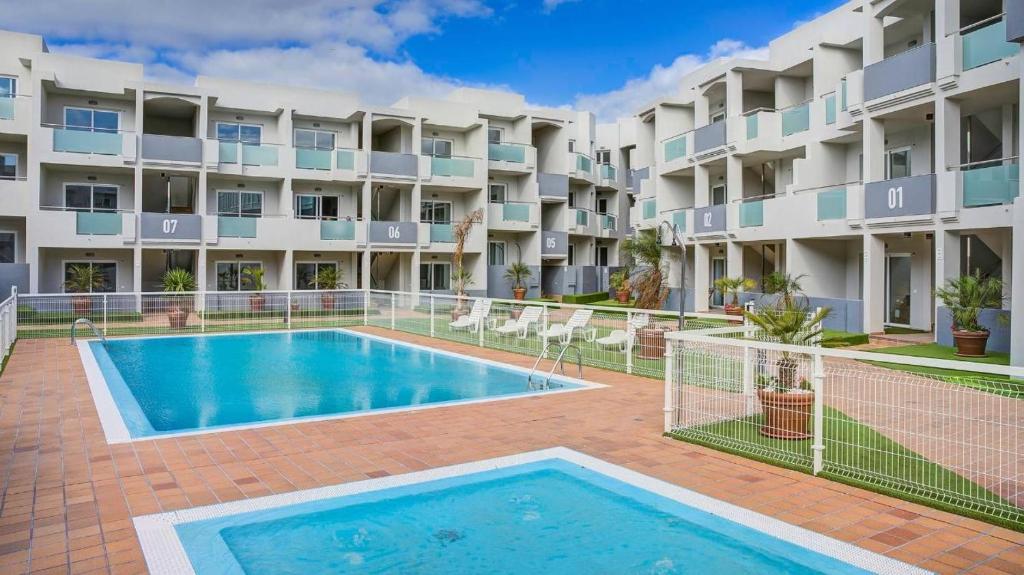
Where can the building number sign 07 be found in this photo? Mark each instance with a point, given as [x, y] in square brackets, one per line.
[169, 226]
[895, 198]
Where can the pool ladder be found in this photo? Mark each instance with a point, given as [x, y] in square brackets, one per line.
[559, 362]
[95, 330]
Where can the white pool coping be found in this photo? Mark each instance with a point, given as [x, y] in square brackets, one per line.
[165, 554]
[116, 431]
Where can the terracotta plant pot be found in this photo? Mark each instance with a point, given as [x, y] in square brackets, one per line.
[177, 317]
[519, 293]
[622, 295]
[651, 342]
[970, 343]
[257, 303]
[327, 301]
[731, 309]
[82, 306]
[786, 415]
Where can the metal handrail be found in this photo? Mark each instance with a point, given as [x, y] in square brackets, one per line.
[558, 362]
[95, 330]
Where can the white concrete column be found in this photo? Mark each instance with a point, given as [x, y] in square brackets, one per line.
[733, 93]
[874, 283]
[734, 259]
[287, 270]
[874, 34]
[701, 276]
[874, 150]
[947, 134]
[364, 280]
[734, 178]
[1017, 303]
[201, 270]
[700, 109]
[1007, 132]
[701, 186]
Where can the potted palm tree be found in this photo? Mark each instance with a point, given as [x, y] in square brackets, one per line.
[328, 278]
[965, 297]
[253, 279]
[178, 281]
[83, 279]
[786, 402]
[649, 286]
[733, 287]
[517, 274]
[620, 283]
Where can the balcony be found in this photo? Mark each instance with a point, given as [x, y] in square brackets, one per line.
[454, 171]
[910, 197]
[608, 172]
[98, 223]
[313, 159]
[906, 70]
[581, 167]
[441, 233]
[710, 220]
[675, 147]
[511, 157]
[247, 154]
[77, 141]
[987, 44]
[554, 244]
[177, 228]
[830, 109]
[751, 213]
[582, 222]
[608, 224]
[327, 164]
[69, 228]
[236, 227]
[512, 216]
[7, 108]
[831, 204]
[172, 149]
[553, 186]
[678, 220]
[393, 233]
[395, 165]
[991, 185]
[710, 137]
[796, 119]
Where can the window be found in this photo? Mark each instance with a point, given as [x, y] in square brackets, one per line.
[717, 195]
[572, 145]
[313, 207]
[602, 205]
[8, 247]
[601, 255]
[314, 139]
[436, 212]
[90, 120]
[604, 156]
[245, 133]
[717, 117]
[8, 166]
[106, 270]
[8, 87]
[495, 135]
[307, 272]
[572, 255]
[498, 193]
[496, 253]
[245, 204]
[436, 147]
[572, 199]
[435, 276]
[231, 276]
[897, 163]
[90, 198]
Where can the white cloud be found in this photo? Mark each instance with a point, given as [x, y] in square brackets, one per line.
[549, 6]
[661, 81]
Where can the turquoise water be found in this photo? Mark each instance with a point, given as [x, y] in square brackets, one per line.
[550, 517]
[174, 384]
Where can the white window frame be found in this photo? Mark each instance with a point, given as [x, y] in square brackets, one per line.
[240, 263]
[92, 196]
[17, 161]
[263, 202]
[597, 156]
[433, 147]
[219, 123]
[504, 252]
[64, 268]
[316, 132]
[91, 128]
[572, 145]
[319, 206]
[888, 160]
[504, 193]
[430, 274]
[317, 264]
[501, 134]
[17, 244]
[717, 117]
[451, 210]
[725, 194]
[14, 83]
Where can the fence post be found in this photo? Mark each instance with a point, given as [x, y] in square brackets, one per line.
[14, 321]
[670, 348]
[819, 415]
[631, 339]
[431, 315]
[480, 330]
[748, 378]
[544, 326]
[392, 310]
[288, 310]
[202, 312]
[366, 307]
[105, 314]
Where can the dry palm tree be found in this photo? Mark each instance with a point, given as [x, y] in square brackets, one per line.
[649, 282]
[460, 232]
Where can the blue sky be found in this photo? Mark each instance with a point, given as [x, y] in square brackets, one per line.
[609, 56]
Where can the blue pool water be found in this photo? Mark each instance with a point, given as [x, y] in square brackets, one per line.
[549, 517]
[175, 384]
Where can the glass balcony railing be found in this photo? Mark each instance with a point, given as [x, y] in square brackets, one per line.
[830, 109]
[608, 222]
[608, 172]
[582, 218]
[752, 127]
[842, 95]
[991, 185]
[752, 214]
[452, 167]
[345, 159]
[337, 230]
[986, 45]
[675, 148]
[87, 141]
[441, 233]
[6, 108]
[584, 163]
[251, 154]
[679, 220]
[513, 212]
[650, 208]
[796, 119]
[312, 159]
[98, 223]
[236, 227]
[515, 153]
[831, 204]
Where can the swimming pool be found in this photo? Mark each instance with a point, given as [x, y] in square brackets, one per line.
[550, 511]
[154, 386]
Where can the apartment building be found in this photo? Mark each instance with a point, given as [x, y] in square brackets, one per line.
[875, 151]
[103, 168]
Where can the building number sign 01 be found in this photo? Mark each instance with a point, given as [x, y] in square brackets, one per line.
[895, 198]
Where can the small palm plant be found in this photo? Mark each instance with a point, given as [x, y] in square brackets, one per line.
[792, 325]
[620, 282]
[784, 285]
[517, 274]
[965, 297]
[178, 280]
[733, 287]
[253, 280]
[328, 278]
[84, 279]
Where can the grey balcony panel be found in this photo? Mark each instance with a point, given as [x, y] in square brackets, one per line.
[170, 227]
[393, 232]
[555, 244]
[13, 275]
[1014, 20]
[709, 219]
[913, 196]
[909, 69]
[553, 185]
[172, 148]
[405, 165]
[709, 137]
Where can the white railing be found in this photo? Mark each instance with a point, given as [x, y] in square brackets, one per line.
[8, 323]
[952, 439]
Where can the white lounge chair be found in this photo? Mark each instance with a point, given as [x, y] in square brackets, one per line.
[521, 326]
[564, 333]
[624, 338]
[475, 320]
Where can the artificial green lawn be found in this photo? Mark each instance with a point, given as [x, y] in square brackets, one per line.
[1000, 384]
[836, 338]
[857, 455]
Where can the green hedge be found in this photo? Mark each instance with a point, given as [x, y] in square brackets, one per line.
[585, 298]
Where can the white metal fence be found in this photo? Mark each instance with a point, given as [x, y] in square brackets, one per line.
[954, 439]
[8, 324]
